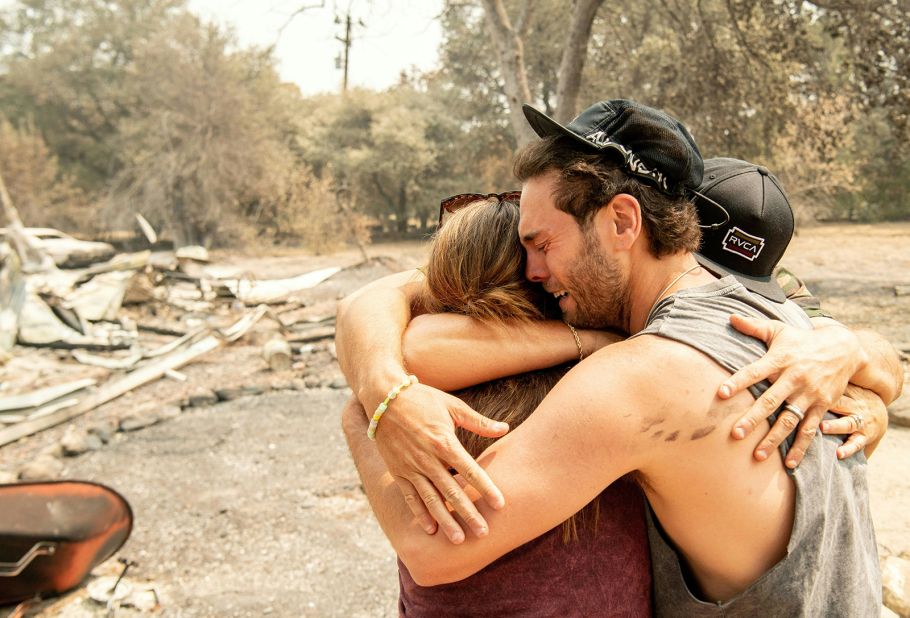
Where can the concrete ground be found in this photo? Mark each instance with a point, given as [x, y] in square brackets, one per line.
[246, 508]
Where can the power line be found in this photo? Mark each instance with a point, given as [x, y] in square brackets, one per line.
[294, 14]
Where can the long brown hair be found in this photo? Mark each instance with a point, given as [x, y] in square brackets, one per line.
[476, 268]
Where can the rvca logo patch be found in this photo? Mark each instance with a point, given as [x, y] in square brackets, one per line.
[743, 244]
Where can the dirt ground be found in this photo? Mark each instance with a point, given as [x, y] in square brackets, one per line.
[252, 507]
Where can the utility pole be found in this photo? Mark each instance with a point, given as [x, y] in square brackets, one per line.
[346, 41]
[343, 61]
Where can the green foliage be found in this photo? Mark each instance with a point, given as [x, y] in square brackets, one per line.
[205, 140]
[396, 152]
[67, 63]
[882, 172]
[154, 111]
[787, 83]
[124, 106]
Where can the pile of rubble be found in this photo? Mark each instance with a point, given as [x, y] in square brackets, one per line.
[73, 340]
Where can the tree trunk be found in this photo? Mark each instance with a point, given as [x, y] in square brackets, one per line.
[184, 230]
[402, 209]
[343, 201]
[510, 51]
[574, 55]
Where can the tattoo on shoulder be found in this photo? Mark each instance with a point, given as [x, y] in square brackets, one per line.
[649, 422]
[698, 434]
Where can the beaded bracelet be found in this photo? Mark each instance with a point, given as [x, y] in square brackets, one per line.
[381, 408]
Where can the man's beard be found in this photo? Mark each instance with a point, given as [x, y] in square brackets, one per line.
[598, 288]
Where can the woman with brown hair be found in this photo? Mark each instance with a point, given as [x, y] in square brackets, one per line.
[595, 563]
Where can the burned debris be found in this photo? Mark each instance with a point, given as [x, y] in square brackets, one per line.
[74, 339]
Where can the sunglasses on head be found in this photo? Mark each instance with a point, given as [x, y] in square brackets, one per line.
[457, 202]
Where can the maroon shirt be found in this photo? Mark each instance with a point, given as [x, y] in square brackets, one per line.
[606, 572]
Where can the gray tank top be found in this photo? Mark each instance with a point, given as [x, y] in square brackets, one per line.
[831, 567]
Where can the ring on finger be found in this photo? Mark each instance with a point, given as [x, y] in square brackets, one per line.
[795, 409]
[858, 421]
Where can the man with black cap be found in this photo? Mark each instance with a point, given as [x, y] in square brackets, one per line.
[749, 245]
[613, 242]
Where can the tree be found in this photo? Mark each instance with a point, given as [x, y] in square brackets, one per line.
[397, 152]
[65, 67]
[154, 111]
[509, 40]
[757, 80]
[208, 142]
[43, 194]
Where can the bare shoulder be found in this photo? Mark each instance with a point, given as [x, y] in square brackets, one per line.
[627, 407]
[647, 362]
[661, 389]
[624, 391]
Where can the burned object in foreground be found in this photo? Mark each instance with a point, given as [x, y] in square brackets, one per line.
[53, 534]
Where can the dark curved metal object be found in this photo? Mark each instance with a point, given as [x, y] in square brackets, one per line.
[53, 534]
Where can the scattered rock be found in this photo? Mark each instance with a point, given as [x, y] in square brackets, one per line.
[277, 353]
[311, 381]
[104, 429]
[54, 450]
[899, 412]
[94, 442]
[168, 412]
[902, 290]
[228, 394]
[289, 385]
[319, 360]
[7, 477]
[77, 441]
[201, 399]
[338, 383]
[135, 422]
[42, 468]
[896, 585]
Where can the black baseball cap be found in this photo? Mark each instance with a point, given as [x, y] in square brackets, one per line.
[652, 144]
[759, 228]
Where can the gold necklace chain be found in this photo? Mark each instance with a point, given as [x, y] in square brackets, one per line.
[670, 285]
